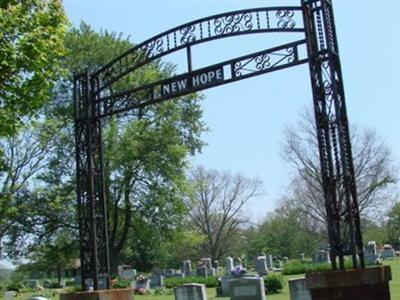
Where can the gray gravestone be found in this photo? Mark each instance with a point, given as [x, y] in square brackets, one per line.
[202, 271]
[225, 285]
[388, 252]
[169, 271]
[285, 260]
[270, 261]
[206, 262]
[371, 253]
[229, 265]
[215, 264]
[321, 257]
[128, 273]
[298, 289]
[247, 288]
[142, 284]
[261, 265]
[186, 267]
[302, 257]
[156, 281]
[31, 283]
[191, 291]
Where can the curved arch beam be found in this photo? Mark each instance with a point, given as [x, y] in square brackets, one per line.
[249, 21]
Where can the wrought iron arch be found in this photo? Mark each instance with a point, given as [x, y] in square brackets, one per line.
[318, 48]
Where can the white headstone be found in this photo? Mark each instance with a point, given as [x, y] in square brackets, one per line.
[229, 265]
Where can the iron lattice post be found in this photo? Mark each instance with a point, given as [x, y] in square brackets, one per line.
[92, 210]
[342, 212]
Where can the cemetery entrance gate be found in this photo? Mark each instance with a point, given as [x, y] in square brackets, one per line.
[95, 100]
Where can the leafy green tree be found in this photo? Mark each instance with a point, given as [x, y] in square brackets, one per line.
[145, 158]
[393, 225]
[286, 232]
[31, 45]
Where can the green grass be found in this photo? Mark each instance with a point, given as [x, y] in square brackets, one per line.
[394, 289]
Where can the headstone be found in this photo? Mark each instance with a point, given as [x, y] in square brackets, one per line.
[9, 295]
[285, 260]
[175, 275]
[31, 283]
[261, 265]
[169, 271]
[298, 289]
[206, 262]
[321, 256]
[201, 271]
[215, 264]
[156, 281]
[270, 261]
[186, 267]
[77, 280]
[128, 273]
[142, 284]
[247, 288]
[225, 285]
[211, 272]
[37, 298]
[371, 253]
[229, 265]
[63, 283]
[302, 257]
[191, 291]
[388, 252]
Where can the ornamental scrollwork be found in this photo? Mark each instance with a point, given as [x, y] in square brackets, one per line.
[188, 34]
[233, 23]
[285, 19]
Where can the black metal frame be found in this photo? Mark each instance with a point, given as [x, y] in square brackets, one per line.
[95, 100]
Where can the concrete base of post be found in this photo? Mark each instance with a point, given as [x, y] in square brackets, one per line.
[366, 284]
[114, 294]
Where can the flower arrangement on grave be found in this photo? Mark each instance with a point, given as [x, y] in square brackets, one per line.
[238, 271]
[140, 291]
[141, 278]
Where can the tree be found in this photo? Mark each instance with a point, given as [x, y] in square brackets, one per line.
[31, 45]
[217, 205]
[286, 232]
[25, 157]
[374, 171]
[393, 225]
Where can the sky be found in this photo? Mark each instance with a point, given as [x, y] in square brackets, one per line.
[247, 119]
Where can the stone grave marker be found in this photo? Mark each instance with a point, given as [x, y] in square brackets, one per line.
[302, 257]
[388, 252]
[321, 256]
[191, 291]
[270, 261]
[206, 262]
[202, 271]
[285, 260]
[156, 281]
[128, 273]
[31, 283]
[229, 265]
[247, 288]
[9, 295]
[371, 253]
[261, 265]
[186, 267]
[215, 264]
[298, 289]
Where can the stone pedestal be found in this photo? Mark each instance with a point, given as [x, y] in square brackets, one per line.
[115, 294]
[366, 284]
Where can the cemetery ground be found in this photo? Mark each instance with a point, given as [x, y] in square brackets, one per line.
[53, 294]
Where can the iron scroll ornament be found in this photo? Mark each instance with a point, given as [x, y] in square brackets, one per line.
[249, 21]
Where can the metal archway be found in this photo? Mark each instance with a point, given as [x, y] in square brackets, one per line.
[94, 100]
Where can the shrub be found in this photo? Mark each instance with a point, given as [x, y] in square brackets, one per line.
[297, 267]
[273, 284]
[210, 281]
[120, 283]
[15, 286]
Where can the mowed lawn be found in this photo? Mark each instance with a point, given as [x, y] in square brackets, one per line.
[394, 289]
